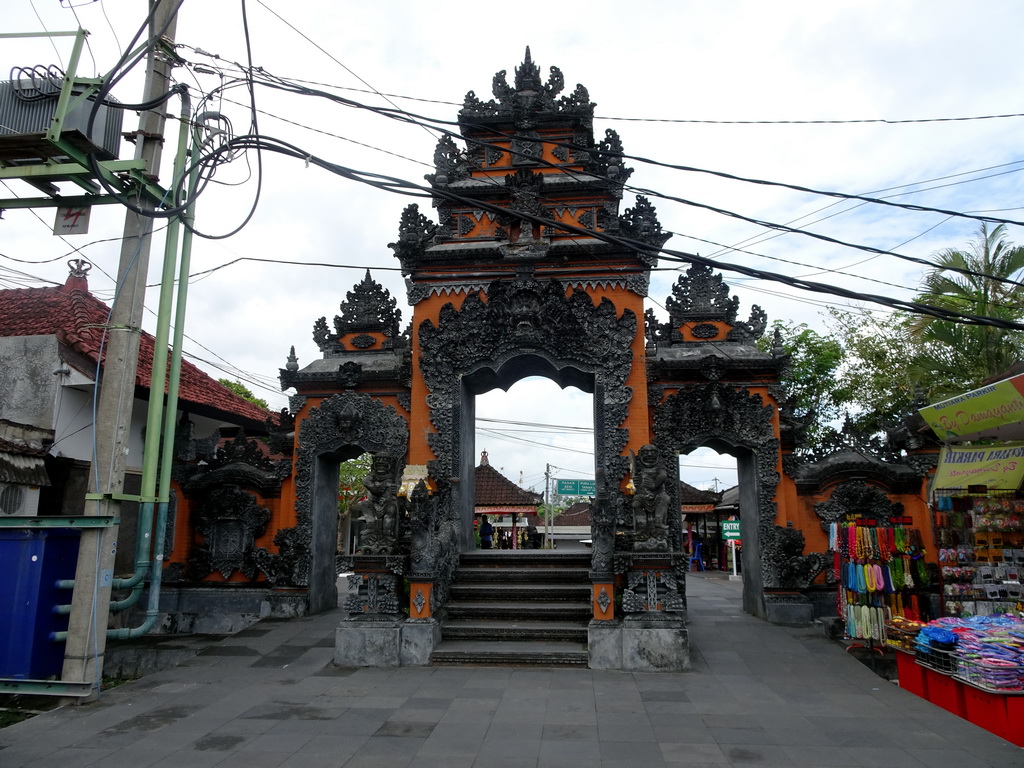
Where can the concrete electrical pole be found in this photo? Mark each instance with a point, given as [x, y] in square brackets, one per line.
[86, 644]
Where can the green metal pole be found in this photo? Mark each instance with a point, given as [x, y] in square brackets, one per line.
[170, 421]
[158, 379]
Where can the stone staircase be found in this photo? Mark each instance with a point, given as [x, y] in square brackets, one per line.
[528, 607]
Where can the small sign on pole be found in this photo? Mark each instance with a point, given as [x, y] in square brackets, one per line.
[730, 530]
[71, 221]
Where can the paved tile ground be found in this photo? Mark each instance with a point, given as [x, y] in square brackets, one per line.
[270, 696]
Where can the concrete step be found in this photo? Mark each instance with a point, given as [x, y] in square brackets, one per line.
[519, 610]
[521, 592]
[527, 653]
[520, 558]
[488, 574]
[515, 629]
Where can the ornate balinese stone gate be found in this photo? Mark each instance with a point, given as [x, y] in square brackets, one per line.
[530, 269]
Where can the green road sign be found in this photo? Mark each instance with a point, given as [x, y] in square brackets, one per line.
[575, 487]
[567, 487]
[730, 529]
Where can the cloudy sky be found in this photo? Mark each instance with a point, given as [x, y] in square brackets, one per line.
[729, 87]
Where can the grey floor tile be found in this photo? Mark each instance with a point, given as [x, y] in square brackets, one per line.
[446, 761]
[881, 757]
[817, 756]
[502, 761]
[569, 732]
[690, 752]
[631, 753]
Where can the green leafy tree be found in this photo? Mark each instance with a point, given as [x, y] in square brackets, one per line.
[963, 355]
[811, 376]
[876, 371]
[350, 488]
[243, 392]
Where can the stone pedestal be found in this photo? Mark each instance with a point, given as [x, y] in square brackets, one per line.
[604, 640]
[784, 607]
[383, 641]
[366, 642]
[655, 644]
[640, 644]
[419, 639]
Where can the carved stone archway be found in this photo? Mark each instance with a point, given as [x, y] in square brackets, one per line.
[723, 416]
[347, 422]
[534, 327]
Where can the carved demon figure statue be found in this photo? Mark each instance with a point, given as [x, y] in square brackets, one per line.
[379, 511]
[650, 501]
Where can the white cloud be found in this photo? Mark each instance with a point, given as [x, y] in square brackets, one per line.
[687, 61]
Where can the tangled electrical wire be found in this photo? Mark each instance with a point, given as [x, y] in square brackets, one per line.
[219, 147]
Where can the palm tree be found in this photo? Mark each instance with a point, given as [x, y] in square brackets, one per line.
[971, 281]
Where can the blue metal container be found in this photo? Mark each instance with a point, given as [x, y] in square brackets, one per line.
[31, 563]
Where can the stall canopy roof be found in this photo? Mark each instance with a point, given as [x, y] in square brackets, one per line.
[994, 411]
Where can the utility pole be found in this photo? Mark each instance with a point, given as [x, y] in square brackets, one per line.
[547, 505]
[90, 602]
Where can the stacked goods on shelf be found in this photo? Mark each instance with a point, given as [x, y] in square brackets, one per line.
[901, 633]
[990, 655]
[936, 647]
[981, 552]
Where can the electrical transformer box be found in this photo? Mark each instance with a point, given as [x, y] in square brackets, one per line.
[26, 111]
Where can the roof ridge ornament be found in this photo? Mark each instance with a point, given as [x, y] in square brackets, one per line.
[529, 95]
[79, 268]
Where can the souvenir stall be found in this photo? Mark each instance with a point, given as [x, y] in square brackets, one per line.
[882, 575]
[970, 661]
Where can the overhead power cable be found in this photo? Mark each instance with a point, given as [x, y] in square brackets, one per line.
[652, 193]
[886, 121]
[402, 186]
[406, 116]
[409, 117]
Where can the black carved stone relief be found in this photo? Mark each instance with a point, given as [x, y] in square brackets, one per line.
[380, 513]
[650, 501]
[857, 498]
[654, 586]
[796, 569]
[641, 223]
[222, 492]
[415, 232]
[524, 316]
[369, 307]
[344, 420]
[451, 165]
[529, 96]
[704, 331]
[229, 520]
[238, 462]
[701, 295]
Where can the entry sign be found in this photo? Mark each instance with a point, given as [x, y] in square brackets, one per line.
[730, 529]
[575, 487]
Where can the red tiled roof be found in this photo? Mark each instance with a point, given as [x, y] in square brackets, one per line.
[76, 318]
[690, 495]
[577, 514]
[493, 489]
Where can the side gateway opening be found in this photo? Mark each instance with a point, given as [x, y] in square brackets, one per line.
[552, 416]
[709, 497]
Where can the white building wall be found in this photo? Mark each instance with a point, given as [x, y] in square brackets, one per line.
[28, 385]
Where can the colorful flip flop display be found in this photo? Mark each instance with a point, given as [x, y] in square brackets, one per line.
[985, 651]
[876, 567]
